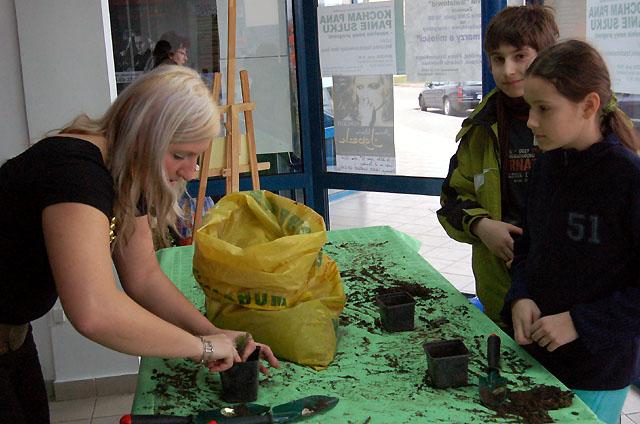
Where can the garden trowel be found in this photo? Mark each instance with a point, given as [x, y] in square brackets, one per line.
[493, 388]
[249, 413]
[302, 408]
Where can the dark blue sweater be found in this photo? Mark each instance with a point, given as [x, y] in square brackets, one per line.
[580, 252]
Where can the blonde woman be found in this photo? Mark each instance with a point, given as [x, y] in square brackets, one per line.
[74, 202]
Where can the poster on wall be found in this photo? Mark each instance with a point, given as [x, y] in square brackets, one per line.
[137, 26]
[443, 40]
[357, 39]
[613, 27]
[363, 108]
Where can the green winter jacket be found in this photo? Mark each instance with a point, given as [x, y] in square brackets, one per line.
[472, 191]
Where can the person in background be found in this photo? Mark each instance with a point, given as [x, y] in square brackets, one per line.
[142, 58]
[171, 49]
[132, 52]
[575, 298]
[77, 201]
[164, 54]
[484, 192]
[161, 54]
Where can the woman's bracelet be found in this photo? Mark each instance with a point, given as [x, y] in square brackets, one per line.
[207, 349]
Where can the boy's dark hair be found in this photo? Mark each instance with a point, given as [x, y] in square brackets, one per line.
[575, 68]
[161, 52]
[531, 25]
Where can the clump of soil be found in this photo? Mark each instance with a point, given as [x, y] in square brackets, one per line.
[533, 405]
[415, 290]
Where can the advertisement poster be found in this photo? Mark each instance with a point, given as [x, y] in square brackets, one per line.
[613, 27]
[443, 40]
[357, 39]
[363, 107]
[137, 26]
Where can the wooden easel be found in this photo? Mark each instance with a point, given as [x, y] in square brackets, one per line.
[232, 169]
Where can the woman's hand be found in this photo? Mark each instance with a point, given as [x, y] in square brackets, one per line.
[496, 235]
[524, 312]
[553, 331]
[265, 350]
[224, 353]
[366, 112]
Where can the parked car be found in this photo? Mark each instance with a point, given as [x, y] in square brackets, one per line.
[452, 97]
[630, 104]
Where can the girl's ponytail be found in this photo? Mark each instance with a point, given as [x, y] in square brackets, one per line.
[614, 120]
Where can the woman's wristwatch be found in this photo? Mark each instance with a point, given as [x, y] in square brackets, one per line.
[207, 350]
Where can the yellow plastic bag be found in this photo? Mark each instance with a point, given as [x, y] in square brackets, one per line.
[259, 260]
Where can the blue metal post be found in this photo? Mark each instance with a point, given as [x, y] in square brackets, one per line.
[310, 103]
[489, 9]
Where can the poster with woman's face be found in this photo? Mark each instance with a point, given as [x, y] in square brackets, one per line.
[374, 100]
[363, 107]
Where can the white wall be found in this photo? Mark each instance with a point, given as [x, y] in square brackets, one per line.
[67, 63]
[13, 120]
[14, 136]
[56, 62]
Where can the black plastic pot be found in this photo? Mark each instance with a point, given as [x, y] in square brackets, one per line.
[240, 382]
[396, 311]
[448, 362]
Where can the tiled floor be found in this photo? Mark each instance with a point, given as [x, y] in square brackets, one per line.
[100, 410]
[414, 215]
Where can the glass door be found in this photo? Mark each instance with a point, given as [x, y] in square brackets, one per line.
[265, 46]
[613, 27]
[398, 79]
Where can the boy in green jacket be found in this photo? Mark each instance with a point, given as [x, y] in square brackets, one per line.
[484, 193]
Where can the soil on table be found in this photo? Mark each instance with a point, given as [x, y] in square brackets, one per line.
[367, 269]
[415, 290]
[369, 274]
[177, 390]
[533, 405]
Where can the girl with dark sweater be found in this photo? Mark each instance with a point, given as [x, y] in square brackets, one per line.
[575, 297]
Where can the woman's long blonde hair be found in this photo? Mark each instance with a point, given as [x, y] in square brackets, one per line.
[169, 105]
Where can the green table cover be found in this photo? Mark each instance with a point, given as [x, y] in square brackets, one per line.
[379, 377]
